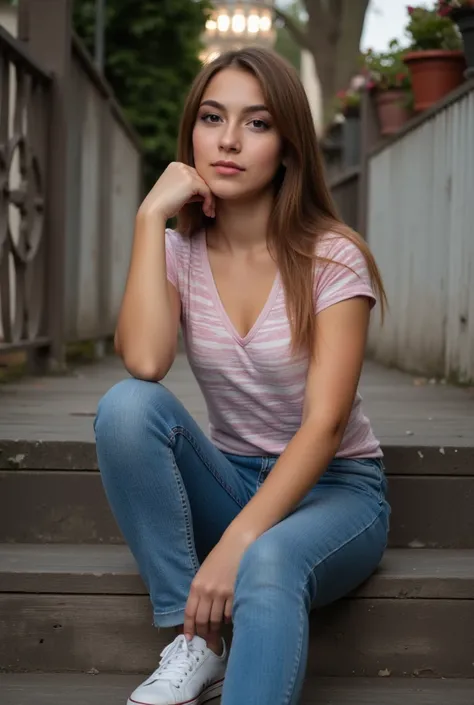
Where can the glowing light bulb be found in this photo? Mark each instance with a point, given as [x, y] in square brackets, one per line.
[265, 23]
[253, 24]
[238, 23]
[223, 23]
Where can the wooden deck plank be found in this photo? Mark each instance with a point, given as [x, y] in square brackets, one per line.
[403, 412]
[104, 569]
[58, 689]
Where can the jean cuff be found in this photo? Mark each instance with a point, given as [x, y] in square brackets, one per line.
[168, 619]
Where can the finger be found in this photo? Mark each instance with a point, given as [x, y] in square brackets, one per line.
[190, 615]
[203, 616]
[217, 615]
[203, 190]
[228, 610]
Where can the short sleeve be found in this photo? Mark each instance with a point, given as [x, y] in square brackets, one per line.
[346, 276]
[171, 243]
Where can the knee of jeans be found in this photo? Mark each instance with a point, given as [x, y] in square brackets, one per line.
[264, 564]
[123, 411]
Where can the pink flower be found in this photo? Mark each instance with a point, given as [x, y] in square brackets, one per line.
[410, 9]
[341, 95]
[371, 85]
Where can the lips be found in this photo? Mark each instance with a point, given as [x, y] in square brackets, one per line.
[229, 165]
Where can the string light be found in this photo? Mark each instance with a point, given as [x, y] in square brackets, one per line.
[235, 23]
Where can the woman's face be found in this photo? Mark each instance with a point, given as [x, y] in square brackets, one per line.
[237, 149]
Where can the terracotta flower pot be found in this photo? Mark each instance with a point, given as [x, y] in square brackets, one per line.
[434, 74]
[392, 110]
[464, 18]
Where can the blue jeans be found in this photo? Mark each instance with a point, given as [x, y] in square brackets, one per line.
[174, 493]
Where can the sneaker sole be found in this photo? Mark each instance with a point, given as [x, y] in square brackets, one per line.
[213, 691]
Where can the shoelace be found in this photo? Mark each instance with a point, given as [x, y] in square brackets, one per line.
[177, 659]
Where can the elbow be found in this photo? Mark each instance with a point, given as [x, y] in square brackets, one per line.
[331, 428]
[144, 361]
[117, 347]
[149, 370]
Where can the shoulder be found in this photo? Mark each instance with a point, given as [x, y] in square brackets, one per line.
[338, 247]
[341, 270]
[175, 240]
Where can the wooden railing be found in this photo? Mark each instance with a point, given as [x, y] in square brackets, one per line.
[71, 168]
[24, 116]
[345, 191]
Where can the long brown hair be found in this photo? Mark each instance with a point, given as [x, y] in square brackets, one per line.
[303, 209]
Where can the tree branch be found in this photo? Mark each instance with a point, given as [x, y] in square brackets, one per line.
[351, 27]
[298, 34]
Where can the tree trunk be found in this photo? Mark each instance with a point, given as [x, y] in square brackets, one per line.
[332, 35]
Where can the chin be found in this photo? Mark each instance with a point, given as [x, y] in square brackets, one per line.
[228, 191]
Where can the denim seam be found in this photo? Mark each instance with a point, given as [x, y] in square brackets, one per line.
[380, 493]
[291, 686]
[186, 511]
[176, 429]
[339, 548]
[180, 430]
[162, 614]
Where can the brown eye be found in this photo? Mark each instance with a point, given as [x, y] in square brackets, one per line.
[210, 117]
[260, 124]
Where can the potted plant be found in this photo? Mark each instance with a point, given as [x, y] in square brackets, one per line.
[390, 80]
[435, 57]
[462, 12]
[348, 104]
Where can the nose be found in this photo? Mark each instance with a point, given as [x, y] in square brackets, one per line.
[230, 140]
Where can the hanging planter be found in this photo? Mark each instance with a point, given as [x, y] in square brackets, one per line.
[462, 13]
[435, 58]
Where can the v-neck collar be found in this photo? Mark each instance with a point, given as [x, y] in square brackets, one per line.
[243, 341]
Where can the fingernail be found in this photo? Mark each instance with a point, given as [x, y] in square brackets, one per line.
[188, 637]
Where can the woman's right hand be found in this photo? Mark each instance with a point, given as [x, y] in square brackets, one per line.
[179, 184]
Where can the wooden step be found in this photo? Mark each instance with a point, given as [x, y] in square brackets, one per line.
[59, 489]
[84, 607]
[59, 689]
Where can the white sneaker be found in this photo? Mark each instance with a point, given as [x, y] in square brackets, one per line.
[189, 674]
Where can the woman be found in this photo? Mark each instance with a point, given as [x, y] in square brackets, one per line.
[283, 508]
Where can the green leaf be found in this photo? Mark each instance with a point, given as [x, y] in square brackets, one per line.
[151, 58]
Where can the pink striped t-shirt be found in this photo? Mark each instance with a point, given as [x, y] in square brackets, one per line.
[254, 389]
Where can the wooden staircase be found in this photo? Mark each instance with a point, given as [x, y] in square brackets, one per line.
[75, 619]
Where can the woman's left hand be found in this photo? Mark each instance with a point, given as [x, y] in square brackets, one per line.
[212, 590]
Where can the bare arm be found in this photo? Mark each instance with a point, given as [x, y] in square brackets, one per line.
[147, 329]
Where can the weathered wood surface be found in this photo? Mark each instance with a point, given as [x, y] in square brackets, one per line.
[354, 637]
[71, 507]
[58, 689]
[402, 411]
[64, 569]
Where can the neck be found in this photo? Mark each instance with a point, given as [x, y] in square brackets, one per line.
[241, 226]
